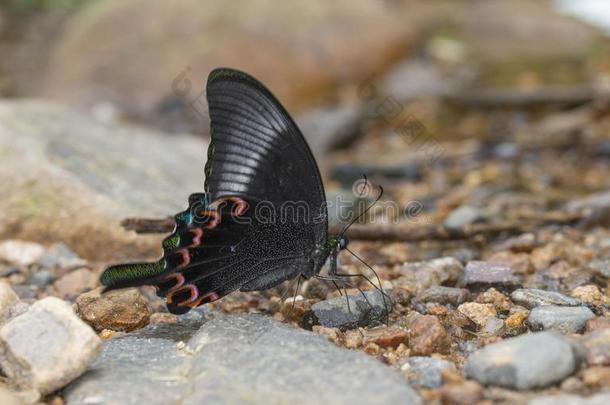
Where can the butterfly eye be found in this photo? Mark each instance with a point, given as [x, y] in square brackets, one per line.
[343, 243]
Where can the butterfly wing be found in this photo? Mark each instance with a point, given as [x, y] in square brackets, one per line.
[262, 214]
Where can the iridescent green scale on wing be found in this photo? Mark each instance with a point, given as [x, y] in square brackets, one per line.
[131, 273]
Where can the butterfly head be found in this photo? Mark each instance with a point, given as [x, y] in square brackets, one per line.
[337, 242]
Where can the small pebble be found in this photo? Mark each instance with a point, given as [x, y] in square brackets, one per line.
[464, 393]
[535, 360]
[533, 297]
[20, 253]
[600, 322]
[75, 282]
[480, 314]
[462, 216]
[444, 295]
[563, 319]
[8, 300]
[523, 243]
[590, 294]
[596, 377]
[597, 347]
[335, 312]
[520, 263]
[427, 335]
[385, 337]
[119, 310]
[489, 274]
[492, 296]
[602, 267]
[425, 372]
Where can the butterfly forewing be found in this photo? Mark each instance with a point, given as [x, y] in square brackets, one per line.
[262, 214]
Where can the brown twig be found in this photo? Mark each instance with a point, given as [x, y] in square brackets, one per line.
[401, 232]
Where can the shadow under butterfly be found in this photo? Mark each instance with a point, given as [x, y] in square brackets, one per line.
[262, 219]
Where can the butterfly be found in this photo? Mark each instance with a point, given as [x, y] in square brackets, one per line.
[262, 218]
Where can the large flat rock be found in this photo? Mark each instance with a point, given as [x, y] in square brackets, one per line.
[238, 359]
[73, 178]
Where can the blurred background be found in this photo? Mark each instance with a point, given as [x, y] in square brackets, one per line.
[474, 111]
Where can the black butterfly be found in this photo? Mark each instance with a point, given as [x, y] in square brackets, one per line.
[262, 219]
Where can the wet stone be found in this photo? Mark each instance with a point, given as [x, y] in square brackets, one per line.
[535, 360]
[444, 295]
[425, 372]
[361, 312]
[533, 297]
[489, 274]
[563, 319]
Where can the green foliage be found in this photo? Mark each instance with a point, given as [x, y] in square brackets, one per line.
[26, 5]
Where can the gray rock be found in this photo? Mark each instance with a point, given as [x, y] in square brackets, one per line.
[60, 255]
[597, 347]
[488, 274]
[602, 398]
[419, 276]
[8, 300]
[529, 361]
[41, 278]
[533, 297]
[601, 266]
[563, 319]
[444, 295]
[425, 372]
[47, 347]
[412, 79]
[20, 253]
[463, 215]
[105, 172]
[232, 360]
[330, 127]
[359, 312]
[590, 202]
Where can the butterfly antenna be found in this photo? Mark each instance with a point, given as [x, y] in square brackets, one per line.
[294, 298]
[380, 288]
[363, 212]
